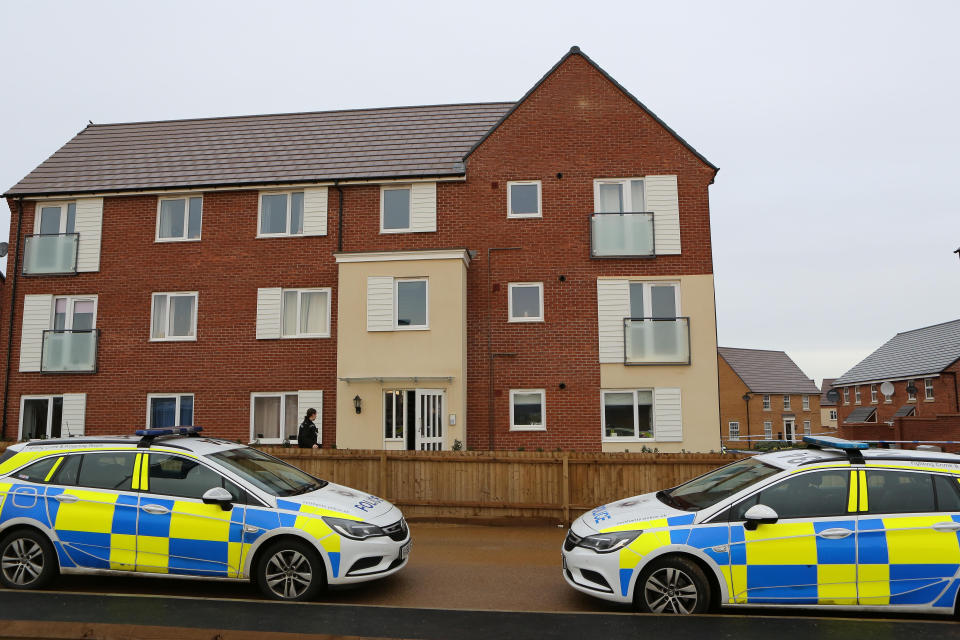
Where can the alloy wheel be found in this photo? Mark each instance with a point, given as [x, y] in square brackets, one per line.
[670, 590]
[22, 561]
[288, 573]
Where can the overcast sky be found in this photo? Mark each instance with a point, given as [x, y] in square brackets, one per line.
[834, 124]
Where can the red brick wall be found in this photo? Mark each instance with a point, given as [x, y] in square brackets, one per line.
[576, 124]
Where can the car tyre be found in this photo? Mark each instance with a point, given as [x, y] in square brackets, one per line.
[290, 570]
[672, 585]
[27, 560]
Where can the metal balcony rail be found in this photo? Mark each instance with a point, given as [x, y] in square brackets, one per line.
[621, 235]
[69, 351]
[656, 341]
[51, 254]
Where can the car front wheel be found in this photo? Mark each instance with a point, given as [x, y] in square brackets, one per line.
[290, 570]
[26, 560]
[672, 585]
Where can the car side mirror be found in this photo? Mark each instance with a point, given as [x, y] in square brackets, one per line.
[759, 514]
[220, 496]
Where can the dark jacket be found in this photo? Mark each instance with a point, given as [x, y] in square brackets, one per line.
[307, 435]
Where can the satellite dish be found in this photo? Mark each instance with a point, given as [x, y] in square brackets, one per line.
[4, 249]
[832, 395]
[886, 389]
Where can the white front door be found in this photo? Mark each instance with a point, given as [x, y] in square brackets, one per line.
[429, 428]
[789, 429]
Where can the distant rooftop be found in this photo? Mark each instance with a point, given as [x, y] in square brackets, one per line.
[768, 371]
[825, 386]
[911, 354]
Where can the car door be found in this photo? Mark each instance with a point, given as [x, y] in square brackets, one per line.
[908, 538]
[808, 556]
[177, 532]
[92, 504]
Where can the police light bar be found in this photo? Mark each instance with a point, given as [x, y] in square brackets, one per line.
[179, 431]
[835, 443]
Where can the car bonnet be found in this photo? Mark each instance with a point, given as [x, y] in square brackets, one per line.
[624, 514]
[341, 499]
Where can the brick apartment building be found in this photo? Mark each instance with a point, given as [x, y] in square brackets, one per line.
[921, 367]
[534, 274]
[764, 395]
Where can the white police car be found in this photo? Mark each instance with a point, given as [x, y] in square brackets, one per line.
[171, 502]
[836, 525]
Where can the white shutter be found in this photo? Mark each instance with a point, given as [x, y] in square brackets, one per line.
[36, 319]
[307, 400]
[89, 223]
[613, 305]
[662, 199]
[380, 303]
[74, 414]
[423, 206]
[268, 313]
[315, 211]
[668, 418]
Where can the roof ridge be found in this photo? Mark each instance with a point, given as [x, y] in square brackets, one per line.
[931, 326]
[751, 349]
[296, 113]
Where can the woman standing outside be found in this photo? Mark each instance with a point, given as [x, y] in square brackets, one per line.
[307, 435]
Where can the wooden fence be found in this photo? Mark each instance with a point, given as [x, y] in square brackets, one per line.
[509, 484]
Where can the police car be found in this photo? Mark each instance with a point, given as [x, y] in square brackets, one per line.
[834, 525]
[171, 502]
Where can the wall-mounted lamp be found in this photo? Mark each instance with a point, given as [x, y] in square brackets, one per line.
[356, 403]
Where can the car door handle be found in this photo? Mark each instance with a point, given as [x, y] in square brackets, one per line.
[835, 534]
[65, 497]
[155, 509]
[947, 526]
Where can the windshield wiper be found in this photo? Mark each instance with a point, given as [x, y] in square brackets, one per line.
[676, 503]
[306, 488]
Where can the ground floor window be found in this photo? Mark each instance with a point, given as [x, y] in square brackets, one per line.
[833, 414]
[274, 417]
[734, 430]
[41, 417]
[169, 410]
[628, 414]
[806, 428]
[528, 408]
[768, 430]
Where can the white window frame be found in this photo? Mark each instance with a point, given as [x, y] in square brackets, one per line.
[857, 399]
[846, 395]
[177, 396]
[767, 404]
[733, 428]
[805, 402]
[186, 219]
[636, 417]
[833, 414]
[283, 413]
[807, 428]
[911, 397]
[71, 302]
[398, 187]
[768, 430]
[538, 214]
[383, 422]
[300, 293]
[648, 296]
[510, 288]
[196, 313]
[928, 390]
[396, 305]
[62, 205]
[873, 394]
[628, 204]
[289, 195]
[49, 398]
[786, 403]
[543, 410]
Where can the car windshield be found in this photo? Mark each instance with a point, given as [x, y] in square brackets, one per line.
[713, 487]
[274, 476]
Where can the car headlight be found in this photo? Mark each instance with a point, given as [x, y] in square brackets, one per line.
[607, 542]
[354, 528]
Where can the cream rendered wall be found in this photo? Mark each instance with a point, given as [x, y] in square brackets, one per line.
[435, 352]
[697, 382]
[825, 421]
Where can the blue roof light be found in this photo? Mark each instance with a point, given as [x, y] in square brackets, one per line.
[182, 431]
[835, 443]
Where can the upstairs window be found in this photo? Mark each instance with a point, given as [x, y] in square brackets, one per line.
[806, 403]
[786, 402]
[179, 219]
[846, 395]
[928, 389]
[833, 414]
[56, 218]
[281, 214]
[174, 316]
[856, 395]
[873, 393]
[619, 195]
[766, 403]
[523, 199]
[306, 313]
[410, 304]
[911, 395]
[395, 209]
[525, 302]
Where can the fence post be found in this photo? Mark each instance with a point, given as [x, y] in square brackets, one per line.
[383, 475]
[566, 488]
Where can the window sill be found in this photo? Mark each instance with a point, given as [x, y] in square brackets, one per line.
[524, 320]
[521, 428]
[394, 231]
[418, 328]
[265, 236]
[190, 339]
[174, 240]
[524, 216]
[929, 399]
[628, 440]
[306, 336]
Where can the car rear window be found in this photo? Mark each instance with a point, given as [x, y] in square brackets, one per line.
[107, 471]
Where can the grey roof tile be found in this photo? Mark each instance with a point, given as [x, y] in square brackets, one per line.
[395, 142]
[916, 353]
[861, 415]
[768, 371]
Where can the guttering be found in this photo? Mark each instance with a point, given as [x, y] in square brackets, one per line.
[12, 308]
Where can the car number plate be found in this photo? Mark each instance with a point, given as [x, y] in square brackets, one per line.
[405, 550]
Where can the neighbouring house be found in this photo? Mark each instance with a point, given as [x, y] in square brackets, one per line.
[764, 395]
[532, 274]
[828, 407]
[921, 368]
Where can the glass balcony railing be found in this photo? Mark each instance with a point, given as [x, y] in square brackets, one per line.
[52, 254]
[622, 235]
[69, 351]
[656, 340]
